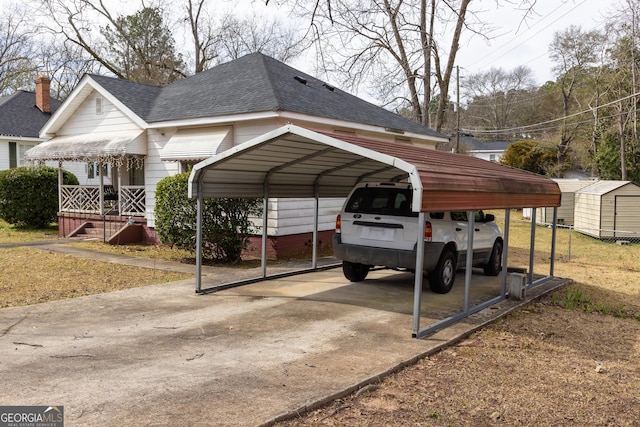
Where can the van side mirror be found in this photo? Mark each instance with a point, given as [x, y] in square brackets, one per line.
[489, 217]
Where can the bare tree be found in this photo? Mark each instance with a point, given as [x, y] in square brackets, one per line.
[407, 47]
[17, 50]
[497, 96]
[574, 52]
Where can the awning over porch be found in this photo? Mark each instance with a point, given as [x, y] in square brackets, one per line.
[197, 144]
[101, 147]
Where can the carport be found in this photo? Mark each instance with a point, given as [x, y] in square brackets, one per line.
[294, 162]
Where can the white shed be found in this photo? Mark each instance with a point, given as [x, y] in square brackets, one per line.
[608, 209]
[568, 187]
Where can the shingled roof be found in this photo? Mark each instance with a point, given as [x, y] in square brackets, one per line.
[251, 84]
[19, 116]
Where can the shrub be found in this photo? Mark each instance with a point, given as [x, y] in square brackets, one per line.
[29, 195]
[226, 227]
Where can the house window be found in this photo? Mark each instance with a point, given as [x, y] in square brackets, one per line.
[93, 171]
[492, 158]
[99, 105]
[13, 155]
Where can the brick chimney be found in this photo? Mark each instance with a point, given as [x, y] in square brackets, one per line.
[43, 96]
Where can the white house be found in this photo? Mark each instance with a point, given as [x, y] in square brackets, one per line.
[490, 151]
[142, 133]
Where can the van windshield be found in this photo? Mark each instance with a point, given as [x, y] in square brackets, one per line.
[380, 200]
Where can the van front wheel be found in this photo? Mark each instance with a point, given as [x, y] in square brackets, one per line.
[354, 272]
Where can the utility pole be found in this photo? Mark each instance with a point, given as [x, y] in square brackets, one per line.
[457, 109]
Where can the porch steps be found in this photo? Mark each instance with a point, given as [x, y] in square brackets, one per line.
[91, 231]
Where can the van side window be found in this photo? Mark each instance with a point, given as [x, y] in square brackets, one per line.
[459, 216]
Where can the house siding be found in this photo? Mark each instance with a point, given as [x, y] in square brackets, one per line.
[85, 120]
[155, 169]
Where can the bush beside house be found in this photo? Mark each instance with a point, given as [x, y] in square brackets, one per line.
[226, 227]
[29, 195]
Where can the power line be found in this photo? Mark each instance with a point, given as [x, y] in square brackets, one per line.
[525, 127]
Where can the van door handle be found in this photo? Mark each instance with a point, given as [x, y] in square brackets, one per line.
[458, 229]
[477, 229]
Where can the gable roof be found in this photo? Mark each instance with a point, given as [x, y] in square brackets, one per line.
[251, 84]
[603, 187]
[19, 116]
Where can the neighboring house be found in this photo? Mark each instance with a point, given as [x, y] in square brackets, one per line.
[491, 151]
[145, 133]
[22, 115]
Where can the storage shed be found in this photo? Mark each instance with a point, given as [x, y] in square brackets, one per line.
[608, 210]
[568, 187]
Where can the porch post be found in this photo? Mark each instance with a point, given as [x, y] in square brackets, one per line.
[60, 184]
[119, 190]
[101, 189]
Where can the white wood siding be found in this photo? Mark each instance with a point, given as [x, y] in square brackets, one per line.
[294, 216]
[86, 120]
[155, 169]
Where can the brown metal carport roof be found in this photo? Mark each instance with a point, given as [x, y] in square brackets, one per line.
[295, 162]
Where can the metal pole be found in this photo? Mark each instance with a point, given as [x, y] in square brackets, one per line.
[469, 266]
[417, 289]
[505, 252]
[532, 244]
[553, 240]
[265, 226]
[199, 208]
[316, 210]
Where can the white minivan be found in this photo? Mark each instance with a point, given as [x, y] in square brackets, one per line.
[376, 227]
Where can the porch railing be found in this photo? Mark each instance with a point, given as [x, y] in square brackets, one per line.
[130, 200]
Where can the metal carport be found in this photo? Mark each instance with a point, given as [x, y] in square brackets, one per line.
[292, 161]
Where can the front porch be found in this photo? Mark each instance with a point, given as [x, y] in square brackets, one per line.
[94, 212]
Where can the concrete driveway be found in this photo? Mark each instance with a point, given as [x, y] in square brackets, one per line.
[162, 355]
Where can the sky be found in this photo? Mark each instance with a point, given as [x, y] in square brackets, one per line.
[519, 42]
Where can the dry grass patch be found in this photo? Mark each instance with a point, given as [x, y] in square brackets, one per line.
[544, 366]
[29, 276]
[11, 234]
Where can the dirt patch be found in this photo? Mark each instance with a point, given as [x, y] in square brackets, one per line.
[544, 366]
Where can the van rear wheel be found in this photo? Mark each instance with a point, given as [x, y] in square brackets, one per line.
[441, 279]
[354, 272]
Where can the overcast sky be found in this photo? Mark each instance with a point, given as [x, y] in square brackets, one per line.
[526, 43]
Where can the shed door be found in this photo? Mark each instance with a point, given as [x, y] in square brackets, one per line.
[626, 216]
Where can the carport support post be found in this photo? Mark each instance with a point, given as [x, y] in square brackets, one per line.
[554, 230]
[417, 291]
[316, 210]
[265, 226]
[505, 252]
[532, 245]
[471, 217]
[199, 203]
